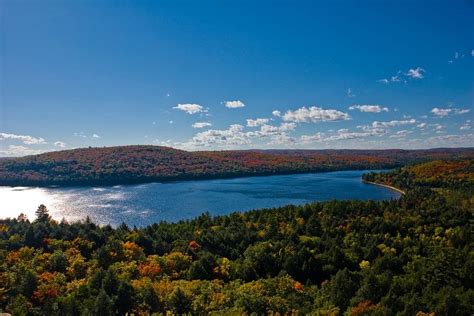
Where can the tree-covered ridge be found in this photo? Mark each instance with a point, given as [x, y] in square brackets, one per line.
[399, 257]
[439, 174]
[138, 164]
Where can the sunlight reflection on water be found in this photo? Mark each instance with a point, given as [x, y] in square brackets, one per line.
[148, 203]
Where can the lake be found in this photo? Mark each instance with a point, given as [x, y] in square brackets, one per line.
[145, 204]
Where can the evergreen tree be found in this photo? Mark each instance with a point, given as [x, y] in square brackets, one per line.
[103, 305]
[42, 214]
[27, 283]
[151, 300]
[58, 261]
[30, 238]
[125, 298]
[343, 287]
[179, 302]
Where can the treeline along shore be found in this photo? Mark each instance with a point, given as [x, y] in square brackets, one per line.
[141, 164]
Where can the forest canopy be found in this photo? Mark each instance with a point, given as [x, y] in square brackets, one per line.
[411, 256]
[139, 164]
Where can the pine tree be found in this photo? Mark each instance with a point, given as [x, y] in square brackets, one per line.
[42, 214]
[103, 305]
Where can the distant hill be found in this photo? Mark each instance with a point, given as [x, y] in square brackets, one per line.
[139, 164]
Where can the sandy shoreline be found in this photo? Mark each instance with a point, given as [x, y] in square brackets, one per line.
[385, 186]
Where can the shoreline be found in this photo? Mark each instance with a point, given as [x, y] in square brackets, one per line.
[385, 186]
[104, 184]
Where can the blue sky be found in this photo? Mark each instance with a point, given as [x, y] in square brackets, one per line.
[202, 75]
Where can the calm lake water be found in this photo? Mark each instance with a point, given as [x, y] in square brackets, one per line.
[148, 203]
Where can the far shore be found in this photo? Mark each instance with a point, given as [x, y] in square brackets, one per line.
[385, 186]
[171, 179]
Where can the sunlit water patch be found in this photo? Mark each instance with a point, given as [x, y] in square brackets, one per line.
[148, 203]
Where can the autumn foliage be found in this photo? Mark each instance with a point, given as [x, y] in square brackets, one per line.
[411, 256]
[138, 164]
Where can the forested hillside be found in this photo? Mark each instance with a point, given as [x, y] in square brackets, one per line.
[452, 178]
[411, 256]
[137, 164]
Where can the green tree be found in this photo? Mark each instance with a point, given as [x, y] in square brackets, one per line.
[27, 282]
[42, 214]
[103, 305]
[30, 238]
[58, 261]
[151, 301]
[343, 287]
[202, 268]
[19, 306]
[179, 302]
[110, 283]
[125, 298]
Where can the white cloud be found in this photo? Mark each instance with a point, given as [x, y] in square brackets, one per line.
[312, 138]
[60, 144]
[445, 112]
[395, 79]
[441, 112]
[16, 151]
[461, 111]
[376, 131]
[401, 134]
[438, 127]
[282, 139]
[369, 108]
[166, 143]
[190, 108]
[26, 139]
[314, 114]
[257, 122]
[271, 130]
[344, 134]
[451, 140]
[394, 123]
[80, 134]
[341, 135]
[276, 113]
[422, 125]
[278, 134]
[95, 136]
[234, 104]
[417, 73]
[287, 126]
[466, 126]
[392, 79]
[201, 124]
[234, 135]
